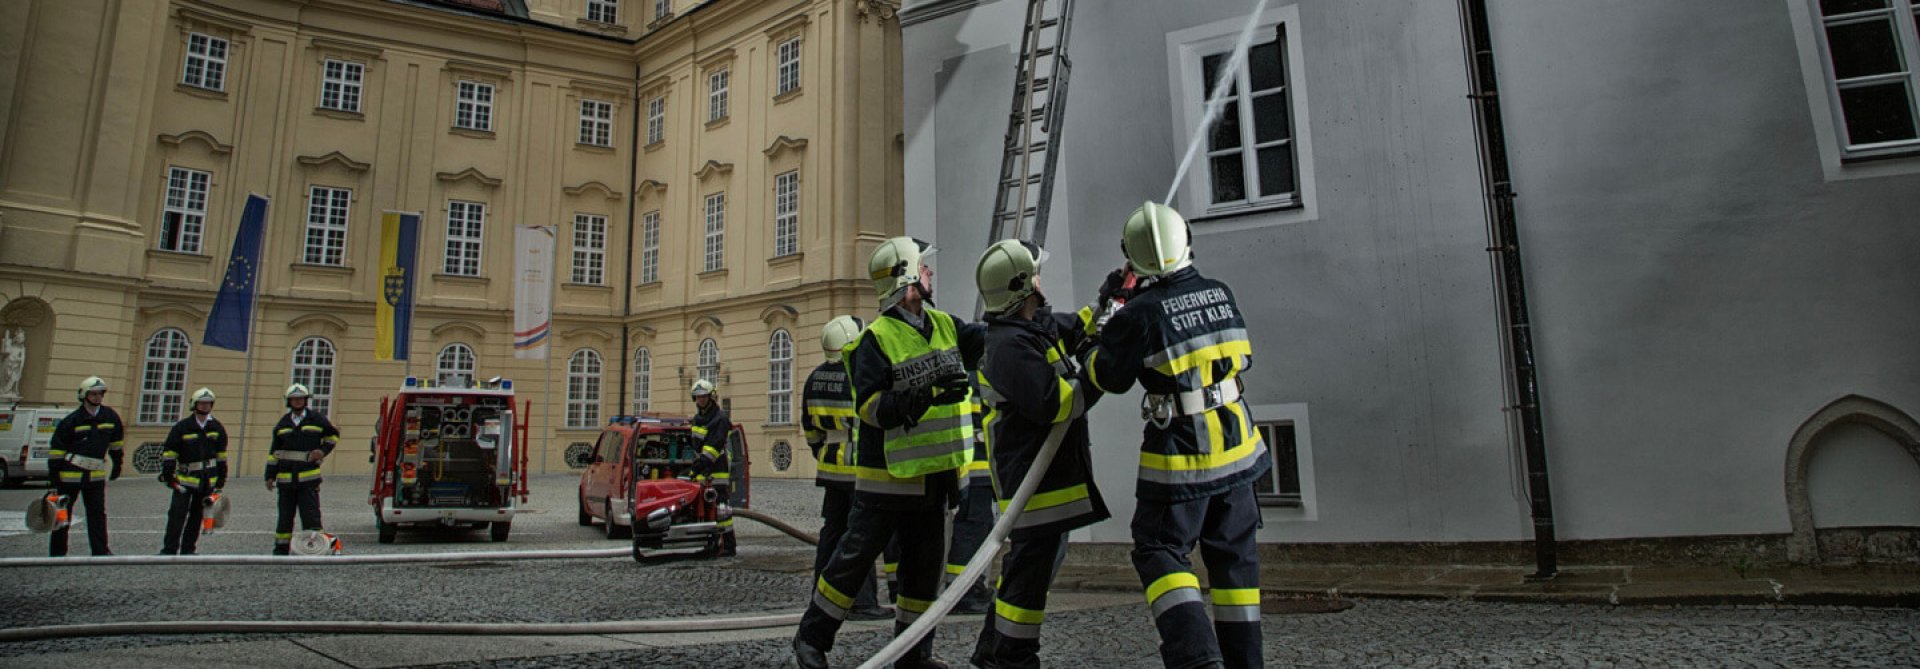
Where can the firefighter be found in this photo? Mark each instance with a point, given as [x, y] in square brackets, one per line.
[826, 406]
[711, 425]
[1035, 390]
[194, 466]
[87, 451]
[302, 440]
[1181, 337]
[973, 519]
[913, 400]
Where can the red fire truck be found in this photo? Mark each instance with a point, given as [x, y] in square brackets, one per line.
[633, 484]
[451, 457]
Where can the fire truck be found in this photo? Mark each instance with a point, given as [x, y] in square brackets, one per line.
[449, 457]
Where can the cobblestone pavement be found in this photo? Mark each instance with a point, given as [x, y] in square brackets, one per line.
[1108, 630]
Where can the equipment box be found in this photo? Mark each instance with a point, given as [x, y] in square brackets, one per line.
[451, 457]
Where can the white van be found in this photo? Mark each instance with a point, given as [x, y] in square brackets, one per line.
[24, 436]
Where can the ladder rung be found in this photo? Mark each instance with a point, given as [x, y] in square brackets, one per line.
[1010, 182]
[1036, 147]
[1008, 215]
[1039, 85]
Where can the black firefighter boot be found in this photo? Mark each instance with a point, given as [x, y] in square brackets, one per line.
[808, 657]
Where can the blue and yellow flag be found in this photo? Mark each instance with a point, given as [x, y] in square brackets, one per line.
[393, 312]
[231, 320]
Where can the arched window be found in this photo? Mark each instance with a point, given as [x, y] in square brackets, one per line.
[709, 360]
[455, 367]
[642, 380]
[163, 382]
[583, 389]
[313, 368]
[780, 378]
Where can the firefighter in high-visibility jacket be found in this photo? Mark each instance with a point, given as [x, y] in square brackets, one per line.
[711, 427]
[1035, 391]
[302, 440]
[1181, 337]
[827, 420]
[194, 466]
[87, 450]
[913, 398]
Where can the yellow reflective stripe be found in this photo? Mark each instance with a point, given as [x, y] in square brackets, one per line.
[1065, 391]
[117, 444]
[331, 439]
[1182, 463]
[1093, 371]
[869, 410]
[282, 431]
[1236, 596]
[311, 428]
[1205, 355]
[283, 535]
[832, 595]
[911, 604]
[1052, 498]
[955, 569]
[82, 428]
[709, 450]
[170, 455]
[819, 411]
[1017, 614]
[1171, 582]
[189, 437]
[213, 435]
[1087, 324]
[698, 431]
[106, 426]
[56, 453]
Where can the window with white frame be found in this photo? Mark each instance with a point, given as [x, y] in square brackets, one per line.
[1280, 486]
[1250, 152]
[642, 380]
[206, 65]
[583, 389]
[650, 247]
[780, 378]
[708, 363]
[716, 96]
[657, 120]
[473, 109]
[787, 67]
[326, 242]
[589, 249]
[465, 223]
[340, 85]
[662, 9]
[786, 213]
[455, 366]
[1871, 50]
[163, 381]
[183, 221]
[603, 11]
[313, 361]
[596, 123]
[716, 240]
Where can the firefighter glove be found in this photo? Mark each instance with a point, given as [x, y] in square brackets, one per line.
[1114, 287]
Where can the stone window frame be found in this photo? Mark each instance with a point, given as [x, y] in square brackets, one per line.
[642, 380]
[163, 377]
[589, 249]
[191, 222]
[608, 11]
[786, 221]
[584, 369]
[323, 209]
[1303, 507]
[460, 353]
[237, 36]
[316, 374]
[471, 247]
[650, 247]
[780, 369]
[714, 232]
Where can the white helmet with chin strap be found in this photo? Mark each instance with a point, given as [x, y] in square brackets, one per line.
[202, 395]
[1006, 273]
[702, 387]
[840, 332]
[895, 265]
[1156, 240]
[93, 383]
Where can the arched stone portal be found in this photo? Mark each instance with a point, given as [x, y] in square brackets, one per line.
[1803, 547]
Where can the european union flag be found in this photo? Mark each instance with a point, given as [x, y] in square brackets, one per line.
[232, 316]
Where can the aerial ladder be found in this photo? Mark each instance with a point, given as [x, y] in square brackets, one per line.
[1034, 127]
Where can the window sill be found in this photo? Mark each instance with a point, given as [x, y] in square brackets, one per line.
[198, 92]
[788, 259]
[475, 133]
[712, 273]
[718, 123]
[656, 146]
[660, 20]
[460, 278]
[187, 256]
[323, 269]
[603, 26]
[341, 114]
[1225, 213]
[599, 287]
[592, 148]
[1272, 502]
[780, 428]
[789, 95]
[1868, 156]
[644, 285]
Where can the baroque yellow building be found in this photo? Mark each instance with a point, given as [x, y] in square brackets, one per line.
[715, 174]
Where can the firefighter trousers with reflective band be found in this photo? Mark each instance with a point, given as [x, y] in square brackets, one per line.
[972, 522]
[723, 491]
[1224, 525]
[95, 496]
[920, 523]
[303, 496]
[1010, 636]
[183, 522]
[834, 509]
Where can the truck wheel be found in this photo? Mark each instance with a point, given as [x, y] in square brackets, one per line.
[585, 519]
[6, 475]
[499, 531]
[387, 531]
[614, 530]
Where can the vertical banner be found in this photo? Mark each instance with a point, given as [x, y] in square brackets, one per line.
[231, 320]
[393, 313]
[532, 290]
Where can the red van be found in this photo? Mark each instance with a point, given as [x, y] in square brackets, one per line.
[633, 449]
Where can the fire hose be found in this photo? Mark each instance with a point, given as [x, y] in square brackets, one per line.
[662, 625]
